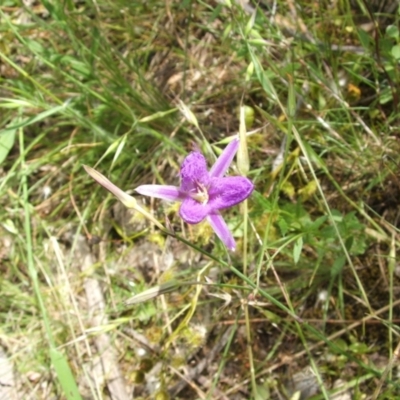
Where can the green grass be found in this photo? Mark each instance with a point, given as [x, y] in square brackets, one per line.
[311, 292]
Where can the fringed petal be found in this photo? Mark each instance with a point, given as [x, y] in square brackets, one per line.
[229, 191]
[194, 171]
[193, 212]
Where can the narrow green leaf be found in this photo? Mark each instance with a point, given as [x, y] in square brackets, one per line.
[120, 147]
[7, 140]
[338, 265]
[157, 115]
[64, 375]
[298, 247]
[365, 39]
[36, 118]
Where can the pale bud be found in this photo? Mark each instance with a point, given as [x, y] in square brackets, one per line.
[127, 200]
[243, 155]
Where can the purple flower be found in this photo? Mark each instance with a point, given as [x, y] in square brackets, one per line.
[204, 193]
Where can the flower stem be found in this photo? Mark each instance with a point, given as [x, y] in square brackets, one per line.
[245, 224]
[245, 305]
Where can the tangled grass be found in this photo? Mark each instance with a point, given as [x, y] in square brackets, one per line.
[97, 302]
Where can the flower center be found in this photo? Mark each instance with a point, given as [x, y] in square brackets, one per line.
[201, 195]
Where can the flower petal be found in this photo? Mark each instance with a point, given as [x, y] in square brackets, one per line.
[229, 191]
[221, 229]
[171, 193]
[192, 211]
[223, 162]
[194, 170]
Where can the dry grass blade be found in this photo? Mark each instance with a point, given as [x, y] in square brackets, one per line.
[96, 308]
[8, 388]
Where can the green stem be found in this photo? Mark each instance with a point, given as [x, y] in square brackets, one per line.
[246, 306]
